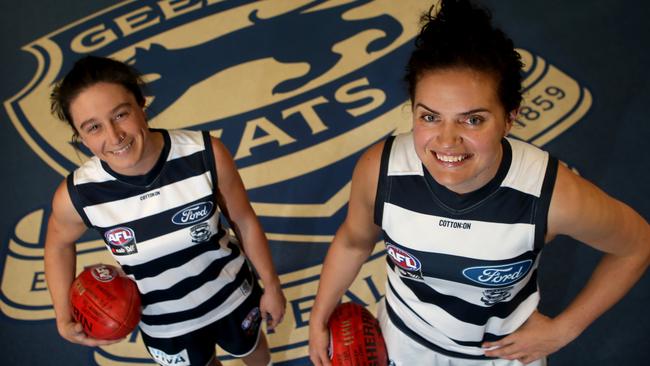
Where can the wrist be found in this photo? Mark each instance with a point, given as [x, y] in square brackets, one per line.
[568, 328]
[272, 284]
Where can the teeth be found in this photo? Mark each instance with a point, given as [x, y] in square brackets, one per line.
[451, 158]
[125, 148]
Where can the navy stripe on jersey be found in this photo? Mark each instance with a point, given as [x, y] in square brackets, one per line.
[153, 226]
[156, 266]
[382, 184]
[445, 266]
[175, 171]
[77, 200]
[217, 299]
[187, 285]
[487, 337]
[395, 319]
[404, 303]
[468, 312]
[505, 205]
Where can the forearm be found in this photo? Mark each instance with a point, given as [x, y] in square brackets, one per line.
[610, 281]
[256, 247]
[342, 264]
[581, 210]
[60, 266]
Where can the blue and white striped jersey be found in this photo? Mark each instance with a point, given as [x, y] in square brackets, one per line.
[165, 230]
[462, 269]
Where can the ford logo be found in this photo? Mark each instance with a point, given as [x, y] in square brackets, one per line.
[502, 275]
[192, 214]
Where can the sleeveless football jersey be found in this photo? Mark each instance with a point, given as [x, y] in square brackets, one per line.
[165, 230]
[462, 269]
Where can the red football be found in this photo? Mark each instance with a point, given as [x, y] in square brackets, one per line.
[106, 303]
[355, 337]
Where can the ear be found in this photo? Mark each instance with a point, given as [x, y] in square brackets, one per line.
[510, 120]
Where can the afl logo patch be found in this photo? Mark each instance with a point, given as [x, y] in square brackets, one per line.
[103, 273]
[502, 275]
[193, 213]
[403, 259]
[121, 241]
[119, 236]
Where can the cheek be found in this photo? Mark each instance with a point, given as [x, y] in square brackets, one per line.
[92, 145]
[421, 134]
[485, 146]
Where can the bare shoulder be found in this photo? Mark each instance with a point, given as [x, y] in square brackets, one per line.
[65, 224]
[62, 208]
[366, 172]
[583, 211]
[370, 160]
[225, 165]
[220, 150]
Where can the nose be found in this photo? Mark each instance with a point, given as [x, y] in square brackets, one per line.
[115, 134]
[448, 134]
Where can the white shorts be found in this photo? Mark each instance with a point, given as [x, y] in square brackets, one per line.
[405, 351]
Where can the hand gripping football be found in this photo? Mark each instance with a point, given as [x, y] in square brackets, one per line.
[106, 303]
[355, 337]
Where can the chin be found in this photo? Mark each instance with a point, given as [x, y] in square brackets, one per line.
[451, 182]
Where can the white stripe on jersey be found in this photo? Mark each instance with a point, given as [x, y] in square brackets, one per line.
[198, 296]
[163, 245]
[469, 293]
[525, 179]
[129, 209]
[172, 276]
[445, 325]
[417, 231]
[185, 144]
[403, 158]
[161, 331]
[92, 172]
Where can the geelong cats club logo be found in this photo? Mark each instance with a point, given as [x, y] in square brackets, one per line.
[296, 90]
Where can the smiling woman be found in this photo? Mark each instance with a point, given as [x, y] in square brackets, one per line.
[156, 197]
[113, 126]
[469, 297]
[458, 125]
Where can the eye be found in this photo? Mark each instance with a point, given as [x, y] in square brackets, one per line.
[91, 127]
[428, 118]
[474, 120]
[120, 115]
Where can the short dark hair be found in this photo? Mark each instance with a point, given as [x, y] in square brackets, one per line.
[461, 34]
[87, 72]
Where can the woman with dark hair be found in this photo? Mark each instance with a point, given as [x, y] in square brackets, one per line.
[465, 211]
[163, 192]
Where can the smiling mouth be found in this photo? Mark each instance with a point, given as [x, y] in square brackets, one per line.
[123, 149]
[452, 158]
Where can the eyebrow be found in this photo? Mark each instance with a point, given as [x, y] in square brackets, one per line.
[121, 105]
[471, 111]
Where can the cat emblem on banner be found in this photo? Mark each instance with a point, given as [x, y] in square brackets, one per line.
[297, 90]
